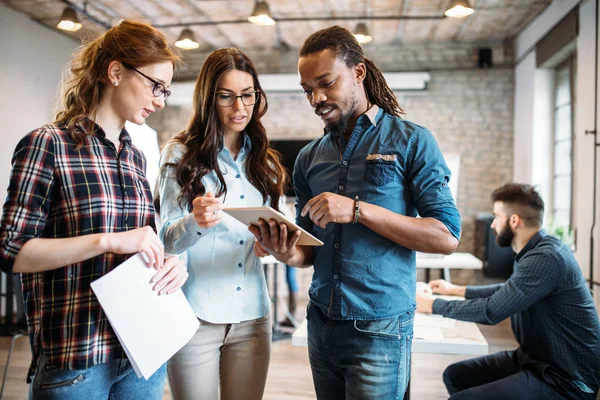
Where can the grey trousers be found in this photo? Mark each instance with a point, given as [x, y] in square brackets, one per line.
[232, 359]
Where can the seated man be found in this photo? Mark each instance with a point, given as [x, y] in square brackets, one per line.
[552, 314]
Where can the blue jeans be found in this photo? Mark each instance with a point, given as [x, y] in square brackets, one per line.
[504, 376]
[359, 359]
[290, 278]
[113, 380]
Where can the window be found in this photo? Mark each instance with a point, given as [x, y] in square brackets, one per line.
[562, 164]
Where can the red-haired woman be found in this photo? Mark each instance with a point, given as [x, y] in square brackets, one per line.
[78, 204]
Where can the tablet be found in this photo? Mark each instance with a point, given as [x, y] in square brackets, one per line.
[251, 215]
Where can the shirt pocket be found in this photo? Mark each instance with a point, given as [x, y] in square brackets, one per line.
[379, 172]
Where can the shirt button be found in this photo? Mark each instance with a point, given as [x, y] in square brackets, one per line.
[242, 197]
[241, 242]
[238, 176]
[337, 246]
[238, 288]
[341, 187]
[345, 162]
[199, 233]
[240, 265]
[335, 276]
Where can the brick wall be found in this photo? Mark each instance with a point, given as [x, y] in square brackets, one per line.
[469, 110]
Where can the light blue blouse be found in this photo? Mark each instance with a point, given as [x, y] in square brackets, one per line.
[226, 282]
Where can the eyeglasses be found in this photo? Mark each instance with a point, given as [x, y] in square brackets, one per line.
[158, 89]
[228, 100]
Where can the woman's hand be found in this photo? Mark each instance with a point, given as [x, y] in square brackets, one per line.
[141, 240]
[171, 276]
[204, 209]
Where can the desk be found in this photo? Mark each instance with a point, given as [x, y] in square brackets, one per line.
[462, 338]
[458, 337]
[453, 261]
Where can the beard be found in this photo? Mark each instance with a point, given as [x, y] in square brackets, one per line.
[505, 237]
[338, 128]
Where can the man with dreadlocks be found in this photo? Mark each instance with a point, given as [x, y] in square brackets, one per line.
[359, 189]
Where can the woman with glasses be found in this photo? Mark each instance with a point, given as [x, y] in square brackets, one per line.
[222, 159]
[78, 205]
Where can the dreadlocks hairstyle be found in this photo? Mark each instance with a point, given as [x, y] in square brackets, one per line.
[346, 47]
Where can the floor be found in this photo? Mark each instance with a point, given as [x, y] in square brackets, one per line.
[289, 373]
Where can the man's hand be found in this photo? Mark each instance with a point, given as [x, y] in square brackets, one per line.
[440, 286]
[328, 207]
[273, 237]
[259, 251]
[424, 303]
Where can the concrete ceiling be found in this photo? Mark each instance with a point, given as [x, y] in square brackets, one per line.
[493, 20]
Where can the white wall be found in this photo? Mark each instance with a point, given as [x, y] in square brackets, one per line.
[528, 127]
[543, 115]
[542, 24]
[32, 59]
[523, 129]
[584, 113]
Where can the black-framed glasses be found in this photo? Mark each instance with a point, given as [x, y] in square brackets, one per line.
[158, 89]
[228, 99]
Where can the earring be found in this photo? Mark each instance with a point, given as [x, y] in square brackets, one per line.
[116, 83]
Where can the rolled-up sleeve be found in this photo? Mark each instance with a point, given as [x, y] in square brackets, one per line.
[28, 199]
[429, 176]
[179, 229]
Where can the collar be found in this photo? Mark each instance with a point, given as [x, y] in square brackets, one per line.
[532, 243]
[90, 127]
[246, 143]
[371, 113]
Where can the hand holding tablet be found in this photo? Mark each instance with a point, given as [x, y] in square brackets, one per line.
[251, 215]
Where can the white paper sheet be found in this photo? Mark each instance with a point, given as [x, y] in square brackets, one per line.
[433, 321]
[151, 328]
[428, 333]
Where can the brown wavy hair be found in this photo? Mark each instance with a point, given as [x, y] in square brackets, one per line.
[204, 136]
[347, 48]
[129, 42]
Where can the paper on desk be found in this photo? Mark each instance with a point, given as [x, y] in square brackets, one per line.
[151, 328]
[434, 321]
[428, 333]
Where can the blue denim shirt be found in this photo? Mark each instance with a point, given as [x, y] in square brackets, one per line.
[391, 163]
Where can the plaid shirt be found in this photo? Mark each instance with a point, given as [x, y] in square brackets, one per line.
[56, 191]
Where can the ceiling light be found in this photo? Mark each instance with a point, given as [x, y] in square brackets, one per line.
[69, 21]
[186, 40]
[459, 9]
[261, 14]
[361, 33]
